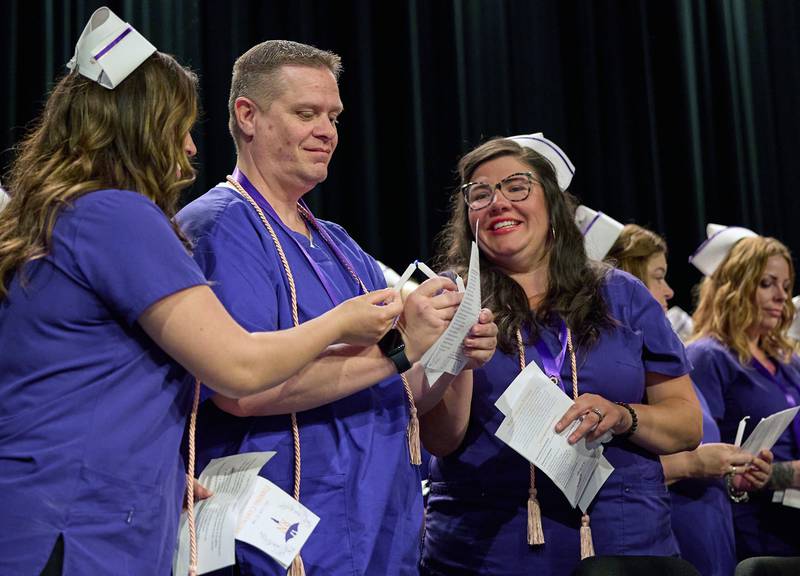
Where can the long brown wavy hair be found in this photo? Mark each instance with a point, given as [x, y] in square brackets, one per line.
[633, 248]
[573, 290]
[727, 300]
[91, 138]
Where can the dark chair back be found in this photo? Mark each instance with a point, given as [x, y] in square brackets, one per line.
[635, 566]
[768, 566]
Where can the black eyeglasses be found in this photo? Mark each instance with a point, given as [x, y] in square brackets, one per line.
[516, 188]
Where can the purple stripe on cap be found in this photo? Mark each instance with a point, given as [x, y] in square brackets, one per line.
[709, 239]
[585, 230]
[113, 43]
[555, 149]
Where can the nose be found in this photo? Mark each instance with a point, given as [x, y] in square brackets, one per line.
[499, 201]
[188, 145]
[781, 294]
[325, 129]
[668, 292]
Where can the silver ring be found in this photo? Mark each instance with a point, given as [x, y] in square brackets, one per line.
[599, 414]
[733, 470]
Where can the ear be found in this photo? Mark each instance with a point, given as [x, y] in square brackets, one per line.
[246, 111]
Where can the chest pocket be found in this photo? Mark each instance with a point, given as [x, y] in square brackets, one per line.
[615, 368]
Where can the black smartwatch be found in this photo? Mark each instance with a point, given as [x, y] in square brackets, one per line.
[394, 349]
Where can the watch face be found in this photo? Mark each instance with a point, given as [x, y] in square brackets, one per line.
[391, 341]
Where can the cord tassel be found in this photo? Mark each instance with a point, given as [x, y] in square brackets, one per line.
[297, 568]
[535, 531]
[413, 437]
[587, 546]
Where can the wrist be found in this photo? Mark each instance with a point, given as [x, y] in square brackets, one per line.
[393, 347]
[734, 494]
[411, 351]
[630, 421]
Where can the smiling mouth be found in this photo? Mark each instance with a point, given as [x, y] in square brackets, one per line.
[503, 224]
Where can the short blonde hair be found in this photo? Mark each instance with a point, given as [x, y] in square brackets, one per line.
[256, 73]
[727, 306]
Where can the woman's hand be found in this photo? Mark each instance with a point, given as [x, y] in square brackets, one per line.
[716, 459]
[481, 342]
[364, 320]
[597, 416]
[756, 475]
[200, 493]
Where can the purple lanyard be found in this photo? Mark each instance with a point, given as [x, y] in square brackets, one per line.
[240, 177]
[552, 364]
[790, 400]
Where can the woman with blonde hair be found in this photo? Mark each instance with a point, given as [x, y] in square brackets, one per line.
[643, 253]
[101, 310]
[701, 514]
[744, 365]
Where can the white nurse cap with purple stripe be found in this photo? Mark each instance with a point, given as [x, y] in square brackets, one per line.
[109, 49]
[715, 249]
[599, 231]
[564, 168]
[794, 329]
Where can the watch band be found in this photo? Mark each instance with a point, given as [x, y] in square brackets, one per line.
[399, 359]
[394, 349]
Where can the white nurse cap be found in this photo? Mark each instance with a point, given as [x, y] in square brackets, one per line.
[109, 49]
[794, 329]
[715, 249]
[599, 231]
[564, 168]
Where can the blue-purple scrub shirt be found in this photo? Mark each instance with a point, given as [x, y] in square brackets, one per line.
[733, 391]
[91, 410]
[477, 511]
[701, 514]
[356, 474]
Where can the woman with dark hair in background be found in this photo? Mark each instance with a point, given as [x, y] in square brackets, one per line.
[102, 308]
[550, 302]
[701, 514]
[745, 366]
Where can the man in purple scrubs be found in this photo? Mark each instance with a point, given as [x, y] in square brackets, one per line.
[272, 264]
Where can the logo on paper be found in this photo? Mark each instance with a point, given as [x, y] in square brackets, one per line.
[289, 530]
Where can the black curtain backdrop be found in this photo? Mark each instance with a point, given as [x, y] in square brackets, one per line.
[675, 112]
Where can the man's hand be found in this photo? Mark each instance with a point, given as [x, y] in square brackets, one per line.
[426, 314]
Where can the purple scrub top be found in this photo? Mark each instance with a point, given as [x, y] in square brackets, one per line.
[734, 391]
[701, 514]
[92, 411]
[356, 474]
[477, 511]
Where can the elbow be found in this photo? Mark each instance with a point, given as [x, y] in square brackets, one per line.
[236, 383]
[690, 433]
[442, 447]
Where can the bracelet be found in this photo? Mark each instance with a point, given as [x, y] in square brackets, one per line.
[733, 493]
[634, 420]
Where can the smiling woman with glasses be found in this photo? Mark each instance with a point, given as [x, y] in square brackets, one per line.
[601, 338]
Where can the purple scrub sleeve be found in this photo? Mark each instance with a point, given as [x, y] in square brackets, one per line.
[477, 510]
[355, 466]
[92, 411]
[761, 527]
